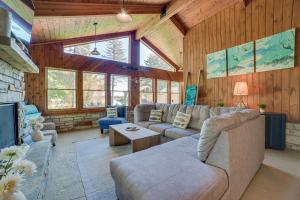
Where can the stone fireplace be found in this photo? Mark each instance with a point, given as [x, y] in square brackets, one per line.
[12, 91]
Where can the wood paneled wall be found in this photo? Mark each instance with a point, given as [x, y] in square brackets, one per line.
[279, 89]
[52, 55]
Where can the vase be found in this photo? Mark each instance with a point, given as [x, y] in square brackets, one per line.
[37, 135]
[18, 195]
[261, 110]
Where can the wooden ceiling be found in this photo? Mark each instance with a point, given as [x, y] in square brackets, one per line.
[167, 34]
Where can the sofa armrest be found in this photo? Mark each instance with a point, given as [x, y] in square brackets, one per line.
[240, 152]
[142, 112]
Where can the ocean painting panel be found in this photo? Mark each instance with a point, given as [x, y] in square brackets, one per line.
[216, 64]
[241, 59]
[276, 51]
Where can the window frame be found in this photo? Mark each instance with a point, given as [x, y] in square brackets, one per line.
[167, 93]
[140, 92]
[105, 90]
[112, 91]
[103, 40]
[179, 91]
[76, 90]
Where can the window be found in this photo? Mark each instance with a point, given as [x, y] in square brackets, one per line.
[114, 49]
[162, 91]
[175, 92]
[119, 90]
[93, 90]
[149, 58]
[146, 90]
[61, 91]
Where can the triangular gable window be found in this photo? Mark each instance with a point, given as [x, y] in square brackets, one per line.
[114, 49]
[149, 58]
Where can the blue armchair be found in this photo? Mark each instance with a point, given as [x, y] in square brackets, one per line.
[105, 122]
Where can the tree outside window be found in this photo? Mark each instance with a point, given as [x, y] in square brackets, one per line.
[146, 90]
[175, 92]
[93, 90]
[119, 90]
[61, 89]
[162, 91]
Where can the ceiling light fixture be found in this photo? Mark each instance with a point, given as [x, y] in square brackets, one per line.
[95, 52]
[123, 16]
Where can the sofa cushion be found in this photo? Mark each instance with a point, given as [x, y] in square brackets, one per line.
[165, 109]
[30, 109]
[199, 114]
[155, 116]
[173, 109]
[145, 124]
[160, 128]
[211, 130]
[179, 132]
[248, 114]
[154, 174]
[215, 111]
[181, 120]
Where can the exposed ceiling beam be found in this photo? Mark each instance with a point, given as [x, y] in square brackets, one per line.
[50, 8]
[87, 39]
[179, 24]
[157, 50]
[173, 8]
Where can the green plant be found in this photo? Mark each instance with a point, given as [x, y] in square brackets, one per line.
[262, 105]
[221, 104]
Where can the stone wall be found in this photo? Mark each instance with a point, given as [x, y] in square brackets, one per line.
[75, 121]
[12, 89]
[11, 84]
[293, 136]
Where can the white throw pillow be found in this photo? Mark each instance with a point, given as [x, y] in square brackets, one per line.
[181, 120]
[211, 130]
[155, 116]
[111, 112]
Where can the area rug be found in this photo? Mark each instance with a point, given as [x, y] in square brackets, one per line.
[93, 157]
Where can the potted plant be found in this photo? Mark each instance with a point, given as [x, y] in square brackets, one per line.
[221, 104]
[262, 107]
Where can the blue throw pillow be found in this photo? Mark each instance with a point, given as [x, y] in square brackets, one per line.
[30, 109]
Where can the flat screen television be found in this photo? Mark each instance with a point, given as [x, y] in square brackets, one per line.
[22, 18]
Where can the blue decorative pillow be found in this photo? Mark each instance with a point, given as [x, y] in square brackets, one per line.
[27, 139]
[30, 109]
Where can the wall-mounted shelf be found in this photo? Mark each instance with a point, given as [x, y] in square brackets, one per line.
[13, 54]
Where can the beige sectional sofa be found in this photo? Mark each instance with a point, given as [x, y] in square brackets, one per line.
[173, 170]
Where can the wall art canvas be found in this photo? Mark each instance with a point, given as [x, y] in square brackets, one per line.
[190, 95]
[216, 64]
[276, 51]
[241, 59]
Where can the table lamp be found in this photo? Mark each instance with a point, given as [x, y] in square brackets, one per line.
[241, 89]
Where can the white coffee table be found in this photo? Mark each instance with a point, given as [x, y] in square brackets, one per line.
[140, 139]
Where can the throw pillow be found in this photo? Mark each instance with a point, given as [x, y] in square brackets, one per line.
[155, 116]
[211, 130]
[181, 120]
[111, 112]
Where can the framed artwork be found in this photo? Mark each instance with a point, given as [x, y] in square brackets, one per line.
[190, 95]
[276, 51]
[216, 64]
[241, 59]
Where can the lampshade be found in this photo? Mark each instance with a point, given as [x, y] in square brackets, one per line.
[240, 89]
[123, 16]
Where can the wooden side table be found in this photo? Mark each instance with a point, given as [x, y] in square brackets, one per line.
[275, 130]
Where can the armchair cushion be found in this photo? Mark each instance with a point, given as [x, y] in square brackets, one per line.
[106, 121]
